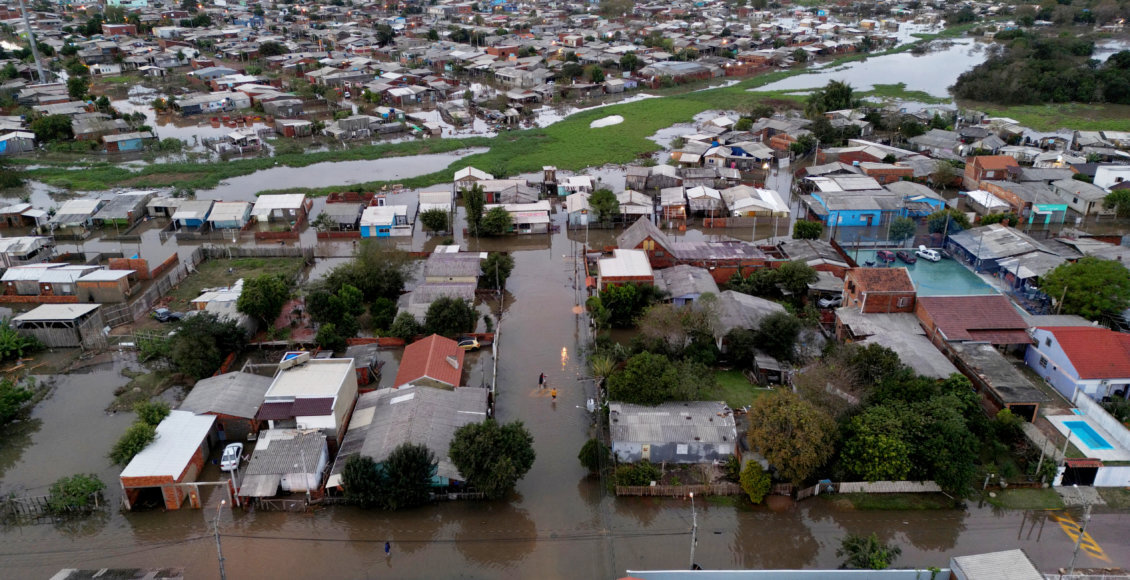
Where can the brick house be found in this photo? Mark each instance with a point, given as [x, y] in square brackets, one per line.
[990, 167]
[987, 318]
[886, 173]
[168, 466]
[624, 267]
[434, 361]
[879, 290]
[233, 398]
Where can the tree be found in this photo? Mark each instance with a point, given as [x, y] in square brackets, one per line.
[450, 317]
[496, 270]
[594, 455]
[272, 48]
[492, 457]
[743, 124]
[756, 482]
[376, 271]
[997, 218]
[800, 55]
[75, 493]
[151, 413]
[1119, 201]
[201, 342]
[604, 205]
[1091, 287]
[777, 335]
[874, 448]
[629, 61]
[435, 219]
[263, 298]
[867, 552]
[947, 220]
[52, 128]
[136, 438]
[382, 313]
[474, 199]
[407, 476]
[874, 364]
[13, 398]
[405, 326]
[616, 8]
[385, 34]
[944, 173]
[835, 96]
[328, 338]
[496, 222]
[596, 74]
[618, 306]
[808, 230]
[651, 379]
[794, 277]
[792, 434]
[362, 481]
[903, 228]
[433, 35]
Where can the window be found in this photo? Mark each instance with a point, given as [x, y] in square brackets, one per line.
[1043, 362]
[659, 253]
[1075, 200]
[681, 449]
[1048, 341]
[903, 302]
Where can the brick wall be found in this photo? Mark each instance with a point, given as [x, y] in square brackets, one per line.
[883, 302]
[338, 235]
[139, 266]
[13, 299]
[164, 267]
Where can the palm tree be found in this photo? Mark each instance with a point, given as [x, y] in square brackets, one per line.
[867, 553]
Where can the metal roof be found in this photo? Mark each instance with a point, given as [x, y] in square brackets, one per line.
[1006, 565]
[386, 418]
[236, 394]
[178, 437]
[106, 275]
[265, 204]
[684, 280]
[625, 262]
[49, 312]
[277, 453]
[228, 210]
[673, 422]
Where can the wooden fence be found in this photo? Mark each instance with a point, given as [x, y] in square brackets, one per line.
[869, 487]
[723, 488]
[137, 308]
[22, 510]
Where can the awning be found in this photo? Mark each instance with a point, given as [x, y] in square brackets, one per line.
[260, 486]
[1082, 463]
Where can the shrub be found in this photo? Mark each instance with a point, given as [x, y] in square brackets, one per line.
[151, 413]
[77, 492]
[133, 441]
[642, 473]
[755, 482]
[594, 455]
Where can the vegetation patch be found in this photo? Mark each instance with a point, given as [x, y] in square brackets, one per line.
[143, 386]
[1115, 497]
[892, 501]
[1078, 116]
[217, 273]
[734, 388]
[1026, 499]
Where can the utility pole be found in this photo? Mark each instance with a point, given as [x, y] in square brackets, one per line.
[694, 530]
[215, 528]
[31, 41]
[1082, 532]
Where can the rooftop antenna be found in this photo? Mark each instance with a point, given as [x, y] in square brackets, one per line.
[31, 40]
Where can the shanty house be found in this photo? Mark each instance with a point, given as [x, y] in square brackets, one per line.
[75, 217]
[229, 215]
[193, 214]
[63, 325]
[685, 284]
[123, 209]
[674, 432]
[385, 221]
[293, 460]
[164, 471]
[106, 286]
[284, 207]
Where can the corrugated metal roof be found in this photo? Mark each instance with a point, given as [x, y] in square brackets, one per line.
[237, 394]
[48, 312]
[674, 422]
[1006, 565]
[106, 275]
[277, 453]
[178, 437]
[625, 263]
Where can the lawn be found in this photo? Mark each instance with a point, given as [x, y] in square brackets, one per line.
[1115, 497]
[1027, 499]
[143, 386]
[891, 501]
[215, 273]
[735, 389]
[898, 92]
[1081, 117]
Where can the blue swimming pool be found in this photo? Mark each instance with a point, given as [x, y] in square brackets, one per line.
[1087, 435]
[944, 278]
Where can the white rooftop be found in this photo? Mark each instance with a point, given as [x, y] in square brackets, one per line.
[265, 204]
[314, 378]
[57, 312]
[625, 263]
[178, 437]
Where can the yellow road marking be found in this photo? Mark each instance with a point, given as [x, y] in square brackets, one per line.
[1071, 528]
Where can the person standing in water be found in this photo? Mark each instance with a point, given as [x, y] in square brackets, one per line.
[553, 394]
[541, 381]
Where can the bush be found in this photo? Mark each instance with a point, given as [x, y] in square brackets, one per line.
[756, 482]
[329, 339]
[806, 230]
[642, 473]
[13, 398]
[133, 441]
[77, 492]
[151, 413]
[493, 457]
[435, 220]
[405, 327]
[594, 455]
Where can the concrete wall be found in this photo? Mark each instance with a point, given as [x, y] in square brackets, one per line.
[1098, 414]
[1113, 476]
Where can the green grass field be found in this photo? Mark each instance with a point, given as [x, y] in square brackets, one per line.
[1081, 117]
[891, 501]
[735, 389]
[214, 273]
[1115, 497]
[1027, 499]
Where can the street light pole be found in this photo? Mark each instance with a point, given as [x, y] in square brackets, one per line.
[694, 530]
[216, 532]
[1082, 531]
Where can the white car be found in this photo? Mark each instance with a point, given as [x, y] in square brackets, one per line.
[928, 254]
[233, 453]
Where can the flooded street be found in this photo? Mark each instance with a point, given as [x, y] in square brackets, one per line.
[560, 524]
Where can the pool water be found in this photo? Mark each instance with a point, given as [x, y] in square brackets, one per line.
[1087, 435]
[944, 278]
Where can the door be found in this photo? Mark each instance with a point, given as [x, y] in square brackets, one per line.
[646, 452]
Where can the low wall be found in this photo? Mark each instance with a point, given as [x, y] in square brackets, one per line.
[725, 488]
[14, 299]
[1098, 414]
[339, 235]
[165, 266]
[383, 342]
[890, 487]
[139, 266]
[1112, 476]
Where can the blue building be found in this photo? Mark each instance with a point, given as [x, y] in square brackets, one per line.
[385, 221]
[230, 215]
[126, 142]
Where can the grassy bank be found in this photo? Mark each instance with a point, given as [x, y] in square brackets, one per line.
[143, 386]
[1027, 499]
[891, 501]
[1078, 116]
[216, 273]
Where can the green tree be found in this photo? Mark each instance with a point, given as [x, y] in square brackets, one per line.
[52, 128]
[385, 34]
[77, 492]
[618, 306]
[382, 313]
[903, 228]
[638, 474]
[743, 124]
[1119, 201]
[263, 298]
[874, 364]
[835, 96]
[151, 412]
[944, 173]
[407, 476]
[13, 398]
[376, 271]
[795, 436]
[496, 222]
[651, 379]
[492, 457]
[362, 481]
[795, 276]
[808, 230]
[874, 448]
[867, 552]
[272, 48]
[778, 334]
[996, 218]
[947, 220]
[450, 317]
[405, 326]
[596, 74]
[496, 270]
[604, 205]
[435, 219]
[629, 61]
[328, 338]
[133, 441]
[594, 455]
[433, 35]
[1091, 287]
[474, 199]
[756, 482]
[201, 343]
[77, 87]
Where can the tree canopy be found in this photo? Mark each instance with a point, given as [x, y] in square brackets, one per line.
[495, 270]
[793, 435]
[449, 316]
[604, 205]
[492, 457]
[1094, 287]
[201, 343]
[807, 230]
[867, 552]
[651, 379]
[495, 222]
[376, 271]
[835, 96]
[263, 298]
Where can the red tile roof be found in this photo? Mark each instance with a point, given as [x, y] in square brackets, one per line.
[428, 358]
[1096, 353]
[988, 318]
[994, 162]
[881, 279]
[275, 411]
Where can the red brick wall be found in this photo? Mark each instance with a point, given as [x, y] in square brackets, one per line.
[876, 303]
[139, 266]
[164, 266]
[338, 235]
[13, 299]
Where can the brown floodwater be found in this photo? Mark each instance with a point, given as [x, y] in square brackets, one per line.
[560, 523]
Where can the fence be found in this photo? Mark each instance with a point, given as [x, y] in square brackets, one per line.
[724, 488]
[139, 307]
[869, 487]
[231, 252]
[37, 508]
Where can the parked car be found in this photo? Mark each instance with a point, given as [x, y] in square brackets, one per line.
[906, 257]
[928, 254]
[166, 315]
[233, 454]
[469, 344]
[885, 256]
[830, 302]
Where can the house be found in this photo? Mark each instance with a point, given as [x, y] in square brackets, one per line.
[421, 298]
[998, 380]
[434, 361]
[989, 318]
[1081, 359]
[22, 215]
[366, 363]
[737, 310]
[226, 215]
[685, 284]
[673, 206]
[746, 201]
[633, 204]
[52, 280]
[128, 142]
[123, 209]
[988, 247]
[443, 267]
[1011, 564]
[723, 258]
[25, 250]
[885, 290]
[915, 351]
[288, 208]
[311, 394]
[233, 398]
[989, 167]
[75, 218]
[17, 142]
[886, 173]
[344, 217]
[106, 286]
[625, 266]
[293, 460]
[383, 221]
[63, 325]
[222, 301]
[1085, 198]
[193, 214]
[468, 176]
[528, 218]
[388, 418]
[163, 207]
[164, 471]
[673, 432]
[820, 255]
[432, 199]
[292, 128]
